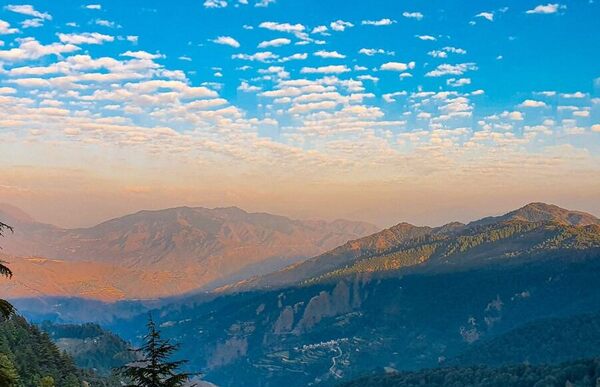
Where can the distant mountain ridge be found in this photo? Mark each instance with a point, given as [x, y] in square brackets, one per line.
[542, 212]
[162, 252]
[519, 233]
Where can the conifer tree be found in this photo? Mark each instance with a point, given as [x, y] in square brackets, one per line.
[154, 369]
[6, 308]
[9, 377]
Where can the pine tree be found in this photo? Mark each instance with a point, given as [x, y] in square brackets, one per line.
[6, 308]
[9, 377]
[154, 368]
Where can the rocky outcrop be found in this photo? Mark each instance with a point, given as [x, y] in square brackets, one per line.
[326, 304]
[285, 321]
[228, 351]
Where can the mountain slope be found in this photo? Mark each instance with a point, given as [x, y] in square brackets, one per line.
[552, 340]
[164, 252]
[327, 332]
[542, 212]
[584, 372]
[521, 234]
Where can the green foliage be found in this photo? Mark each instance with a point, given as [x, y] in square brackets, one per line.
[33, 355]
[579, 373]
[90, 346]
[6, 308]
[154, 369]
[28, 358]
[8, 373]
[473, 245]
[47, 381]
[550, 340]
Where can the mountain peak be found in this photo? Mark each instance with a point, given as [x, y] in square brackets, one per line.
[543, 212]
[12, 214]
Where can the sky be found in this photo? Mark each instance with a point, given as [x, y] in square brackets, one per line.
[383, 111]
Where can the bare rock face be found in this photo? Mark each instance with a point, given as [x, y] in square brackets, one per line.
[324, 305]
[285, 321]
[226, 352]
[318, 307]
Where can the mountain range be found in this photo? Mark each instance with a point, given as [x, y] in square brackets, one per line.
[520, 234]
[401, 299]
[160, 253]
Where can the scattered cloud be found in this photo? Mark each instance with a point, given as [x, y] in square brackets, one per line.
[413, 15]
[530, 103]
[282, 27]
[486, 15]
[547, 9]
[450, 69]
[340, 25]
[274, 43]
[397, 66]
[227, 41]
[215, 4]
[333, 69]
[329, 54]
[378, 23]
[85, 38]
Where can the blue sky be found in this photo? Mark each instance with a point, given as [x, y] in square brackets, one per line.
[194, 99]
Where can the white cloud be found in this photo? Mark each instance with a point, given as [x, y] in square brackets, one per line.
[486, 15]
[29, 11]
[448, 69]
[132, 38]
[340, 25]
[274, 43]
[5, 28]
[298, 56]
[94, 6]
[374, 51]
[106, 23]
[530, 103]
[425, 37]
[378, 23]
[29, 48]
[142, 55]
[368, 78]
[413, 15]
[226, 40]
[247, 88]
[397, 66]
[319, 30]
[263, 56]
[391, 97]
[264, 3]
[215, 4]
[546, 9]
[338, 69]
[577, 94]
[329, 54]
[85, 38]
[458, 82]
[282, 27]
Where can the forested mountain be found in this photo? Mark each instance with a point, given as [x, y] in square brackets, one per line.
[405, 299]
[331, 331]
[533, 231]
[177, 250]
[29, 358]
[550, 340]
[90, 346]
[583, 373]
